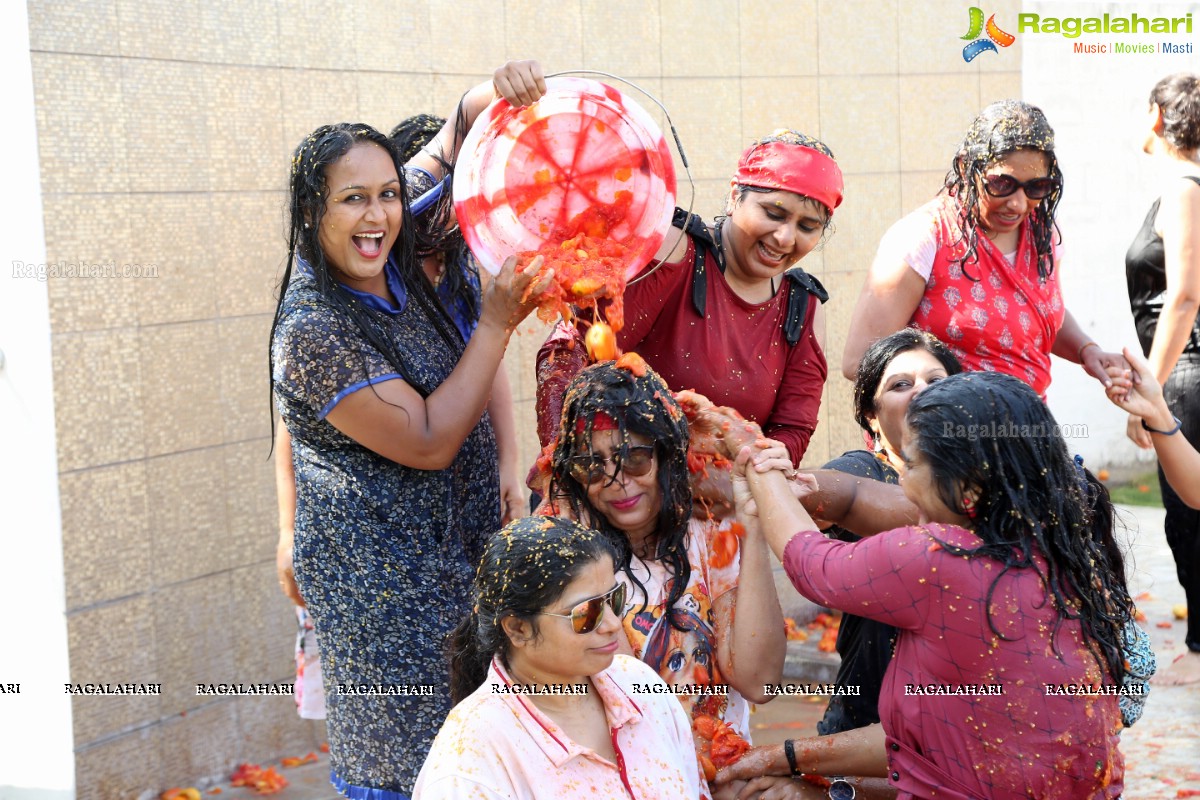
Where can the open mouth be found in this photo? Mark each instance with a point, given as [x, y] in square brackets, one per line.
[369, 245]
[769, 255]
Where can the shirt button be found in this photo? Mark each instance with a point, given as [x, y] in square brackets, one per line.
[895, 747]
[895, 776]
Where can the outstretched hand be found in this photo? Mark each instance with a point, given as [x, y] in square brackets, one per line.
[1112, 369]
[1143, 402]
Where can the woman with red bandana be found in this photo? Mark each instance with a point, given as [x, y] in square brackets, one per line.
[977, 265]
[725, 309]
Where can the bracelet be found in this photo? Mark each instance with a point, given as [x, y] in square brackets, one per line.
[789, 750]
[1171, 432]
[1084, 346]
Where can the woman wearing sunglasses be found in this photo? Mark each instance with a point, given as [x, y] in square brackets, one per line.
[545, 705]
[977, 265]
[621, 466]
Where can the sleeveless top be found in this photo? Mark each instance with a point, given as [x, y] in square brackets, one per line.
[1146, 277]
[994, 315]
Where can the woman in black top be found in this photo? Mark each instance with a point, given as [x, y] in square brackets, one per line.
[1163, 272]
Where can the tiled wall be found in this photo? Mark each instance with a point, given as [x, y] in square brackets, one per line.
[165, 130]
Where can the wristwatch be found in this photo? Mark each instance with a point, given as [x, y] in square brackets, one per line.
[841, 789]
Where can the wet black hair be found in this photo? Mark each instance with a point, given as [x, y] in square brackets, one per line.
[1030, 501]
[642, 405]
[1178, 96]
[437, 229]
[526, 567]
[307, 203]
[1002, 128]
[879, 355]
[413, 133]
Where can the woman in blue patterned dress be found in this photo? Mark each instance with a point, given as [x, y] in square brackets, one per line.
[396, 473]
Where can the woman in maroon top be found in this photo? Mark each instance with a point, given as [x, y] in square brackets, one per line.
[725, 310]
[1009, 605]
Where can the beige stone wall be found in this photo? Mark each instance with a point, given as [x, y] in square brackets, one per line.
[165, 130]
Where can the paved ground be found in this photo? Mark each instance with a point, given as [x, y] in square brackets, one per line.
[1162, 752]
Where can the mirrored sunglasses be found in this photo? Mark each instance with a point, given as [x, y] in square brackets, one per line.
[586, 616]
[636, 462]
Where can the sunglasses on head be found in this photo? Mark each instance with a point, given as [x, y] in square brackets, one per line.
[636, 462]
[585, 617]
[1000, 185]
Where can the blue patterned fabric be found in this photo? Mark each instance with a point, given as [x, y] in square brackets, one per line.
[384, 554]
[1140, 655]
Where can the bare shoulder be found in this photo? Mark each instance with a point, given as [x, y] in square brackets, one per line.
[1179, 208]
[1182, 192]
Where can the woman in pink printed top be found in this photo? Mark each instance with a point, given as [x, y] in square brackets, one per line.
[545, 706]
[1008, 605]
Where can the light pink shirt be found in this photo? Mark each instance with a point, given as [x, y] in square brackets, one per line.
[498, 745]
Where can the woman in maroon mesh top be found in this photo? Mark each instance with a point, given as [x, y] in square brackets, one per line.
[1009, 607]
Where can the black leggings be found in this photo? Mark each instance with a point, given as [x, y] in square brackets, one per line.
[1182, 393]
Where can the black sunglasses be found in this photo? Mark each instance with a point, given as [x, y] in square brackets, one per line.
[586, 616]
[636, 462]
[1000, 185]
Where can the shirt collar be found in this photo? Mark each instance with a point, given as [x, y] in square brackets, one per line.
[559, 748]
[391, 273]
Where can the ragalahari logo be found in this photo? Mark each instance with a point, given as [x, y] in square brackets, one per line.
[995, 36]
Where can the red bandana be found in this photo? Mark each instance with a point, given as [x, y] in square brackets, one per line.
[600, 422]
[792, 168]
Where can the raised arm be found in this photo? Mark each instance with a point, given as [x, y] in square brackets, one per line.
[889, 299]
[752, 653]
[392, 419]
[519, 82]
[765, 501]
[798, 402]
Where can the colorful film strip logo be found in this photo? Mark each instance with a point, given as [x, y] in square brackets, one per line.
[995, 36]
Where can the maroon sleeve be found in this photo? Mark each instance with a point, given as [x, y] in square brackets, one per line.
[883, 577]
[559, 359]
[798, 401]
[647, 294]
